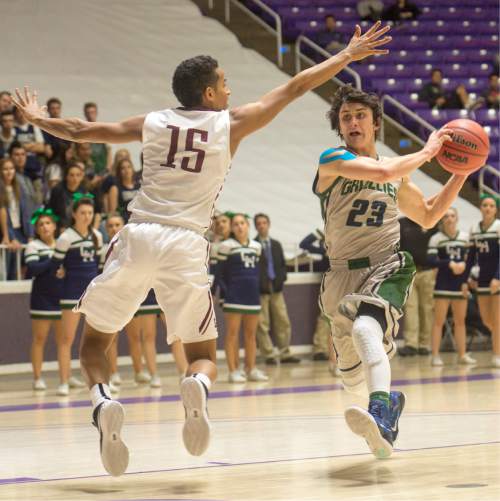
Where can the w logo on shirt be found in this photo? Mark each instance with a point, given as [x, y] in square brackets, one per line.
[248, 260]
[483, 247]
[87, 253]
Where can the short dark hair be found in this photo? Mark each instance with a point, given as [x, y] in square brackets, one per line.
[492, 74]
[88, 105]
[328, 16]
[348, 94]
[16, 145]
[54, 100]
[192, 77]
[438, 70]
[260, 214]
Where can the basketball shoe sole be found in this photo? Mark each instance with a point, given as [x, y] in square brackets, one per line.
[362, 423]
[114, 453]
[196, 431]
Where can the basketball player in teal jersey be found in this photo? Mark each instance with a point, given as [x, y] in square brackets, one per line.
[187, 153]
[368, 282]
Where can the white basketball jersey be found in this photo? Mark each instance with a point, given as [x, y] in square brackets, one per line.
[186, 157]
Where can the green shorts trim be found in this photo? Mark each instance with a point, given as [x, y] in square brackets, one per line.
[49, 315]
[485, 291]
[152, 311]
[396, 288]
[68, 304]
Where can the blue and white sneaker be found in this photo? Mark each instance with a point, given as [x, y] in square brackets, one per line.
[108, 419]
[374, 425]
[397, 399]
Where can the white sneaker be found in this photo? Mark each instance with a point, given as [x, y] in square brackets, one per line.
[39, 385]
[63, 390]
[76, 383]
[467, 360]
[495, 361]
[115, 379]
[237, 377]
[108, 419]
[196, 431]
[436, 361]
[155, 382]
[257, 375]
[142, 377]
[113, 388]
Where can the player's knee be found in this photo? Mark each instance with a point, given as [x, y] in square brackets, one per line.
[367, 337]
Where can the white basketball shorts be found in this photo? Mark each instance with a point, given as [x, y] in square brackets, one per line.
[169, 259]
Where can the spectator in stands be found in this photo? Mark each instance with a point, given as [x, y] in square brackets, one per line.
[61, 198]
[329, 38]
[370, 10]
[125, 188]
[314, 243]
[273, 307]
[7, 132]
[19, 158]
[32, 140]
[6, 102]
[401, 11]
[4, 231]
[101, 153]
[58, 146]
[83, 154]
[432, 92]
[458, 99]
[110, 179]
[18, 213]
[490, 96]
[419, 306]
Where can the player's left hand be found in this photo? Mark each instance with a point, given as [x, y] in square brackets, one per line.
[465, 290]
[494, 285]
[28, 105]
[361, 46]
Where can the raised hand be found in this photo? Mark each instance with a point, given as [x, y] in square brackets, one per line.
[436, 140]
[361, 46]
[28, 105]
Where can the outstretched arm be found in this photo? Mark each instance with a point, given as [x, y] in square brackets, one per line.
[74, 129]
[253, 116]
[428, 212]
[340, 162]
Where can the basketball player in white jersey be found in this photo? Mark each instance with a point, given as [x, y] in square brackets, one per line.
[368, 282]
[187, 153]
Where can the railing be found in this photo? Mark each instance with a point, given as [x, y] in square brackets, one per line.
[300, 56]
[484, 188]
[5, 255]
[278, 32]
[388, 99]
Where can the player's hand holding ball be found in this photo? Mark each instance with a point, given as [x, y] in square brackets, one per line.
[435, 141]
[467, 149]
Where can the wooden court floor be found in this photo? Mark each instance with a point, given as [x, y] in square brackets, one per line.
[282, 440]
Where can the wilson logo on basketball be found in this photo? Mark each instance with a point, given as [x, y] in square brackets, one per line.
[455, 158]
[461, 140]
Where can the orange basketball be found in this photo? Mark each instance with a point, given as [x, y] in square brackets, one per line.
[468, 150]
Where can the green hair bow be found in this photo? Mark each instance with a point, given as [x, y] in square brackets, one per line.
[495, 198]
[79, 196]
[42, 211]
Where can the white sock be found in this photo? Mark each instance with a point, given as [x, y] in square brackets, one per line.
[203, 378]
[367, 337]
[99, 393]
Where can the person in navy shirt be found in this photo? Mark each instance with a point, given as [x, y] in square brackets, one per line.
[239, 281]
[484, 251]
[46, 289]
[447, 252]
[78, 251]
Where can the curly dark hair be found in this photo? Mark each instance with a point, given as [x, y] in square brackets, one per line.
[348, 94]
[192, 77]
